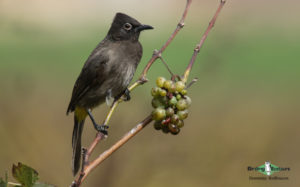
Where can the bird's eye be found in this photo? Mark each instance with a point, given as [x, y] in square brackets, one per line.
[127, 26]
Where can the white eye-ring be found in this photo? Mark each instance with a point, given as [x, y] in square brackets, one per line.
[127, 26]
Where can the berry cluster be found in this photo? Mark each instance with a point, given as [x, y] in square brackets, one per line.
[170, 104]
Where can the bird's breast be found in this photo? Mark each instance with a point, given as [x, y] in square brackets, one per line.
[123, 60]
[122, 77]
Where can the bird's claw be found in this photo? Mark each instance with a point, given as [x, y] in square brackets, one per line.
[127, 95]
[102, 129]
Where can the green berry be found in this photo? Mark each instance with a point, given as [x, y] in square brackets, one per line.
[160, 81]
[173, 101]
[180, 123]
[179, 86]
[183, 92]
[178, 96]
[188, 100]
[169, 112]
[155, 91]
[157, 102]
[181, 104]
[172, 88]
[174, 118]
[159, 114]
[157, 125]
[162, 92]
[183, 114]
[164, 100]
[167, 84]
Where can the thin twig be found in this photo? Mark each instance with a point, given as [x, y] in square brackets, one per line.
[99, 136]
[166, 65]
[200, 44]
[191, 83]
[14, 184]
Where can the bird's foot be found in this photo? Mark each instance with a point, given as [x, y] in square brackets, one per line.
[127, 95]
[102, 128]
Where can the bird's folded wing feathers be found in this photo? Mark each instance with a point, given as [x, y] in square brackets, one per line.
[92, 74]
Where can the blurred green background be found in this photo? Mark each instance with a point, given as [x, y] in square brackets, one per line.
[245, 107]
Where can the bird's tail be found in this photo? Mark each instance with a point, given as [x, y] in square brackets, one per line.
[79, 118]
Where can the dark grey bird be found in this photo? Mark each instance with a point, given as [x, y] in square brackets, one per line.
[105, 75]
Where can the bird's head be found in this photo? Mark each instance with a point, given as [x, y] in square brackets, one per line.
[125, 27]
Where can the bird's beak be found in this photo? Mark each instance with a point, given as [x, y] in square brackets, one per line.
[143, 27]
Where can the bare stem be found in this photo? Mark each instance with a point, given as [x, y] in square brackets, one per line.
[200, 44]
[166, 65]
[14, 184]
[99, 136]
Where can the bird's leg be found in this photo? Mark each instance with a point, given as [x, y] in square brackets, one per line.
[100, 128]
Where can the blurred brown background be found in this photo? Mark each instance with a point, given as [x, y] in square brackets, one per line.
[245, 107]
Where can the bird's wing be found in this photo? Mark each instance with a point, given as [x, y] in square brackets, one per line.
[92, 74]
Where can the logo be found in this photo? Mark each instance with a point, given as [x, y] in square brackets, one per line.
[268, 169]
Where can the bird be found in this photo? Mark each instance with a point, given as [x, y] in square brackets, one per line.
[105, 75]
